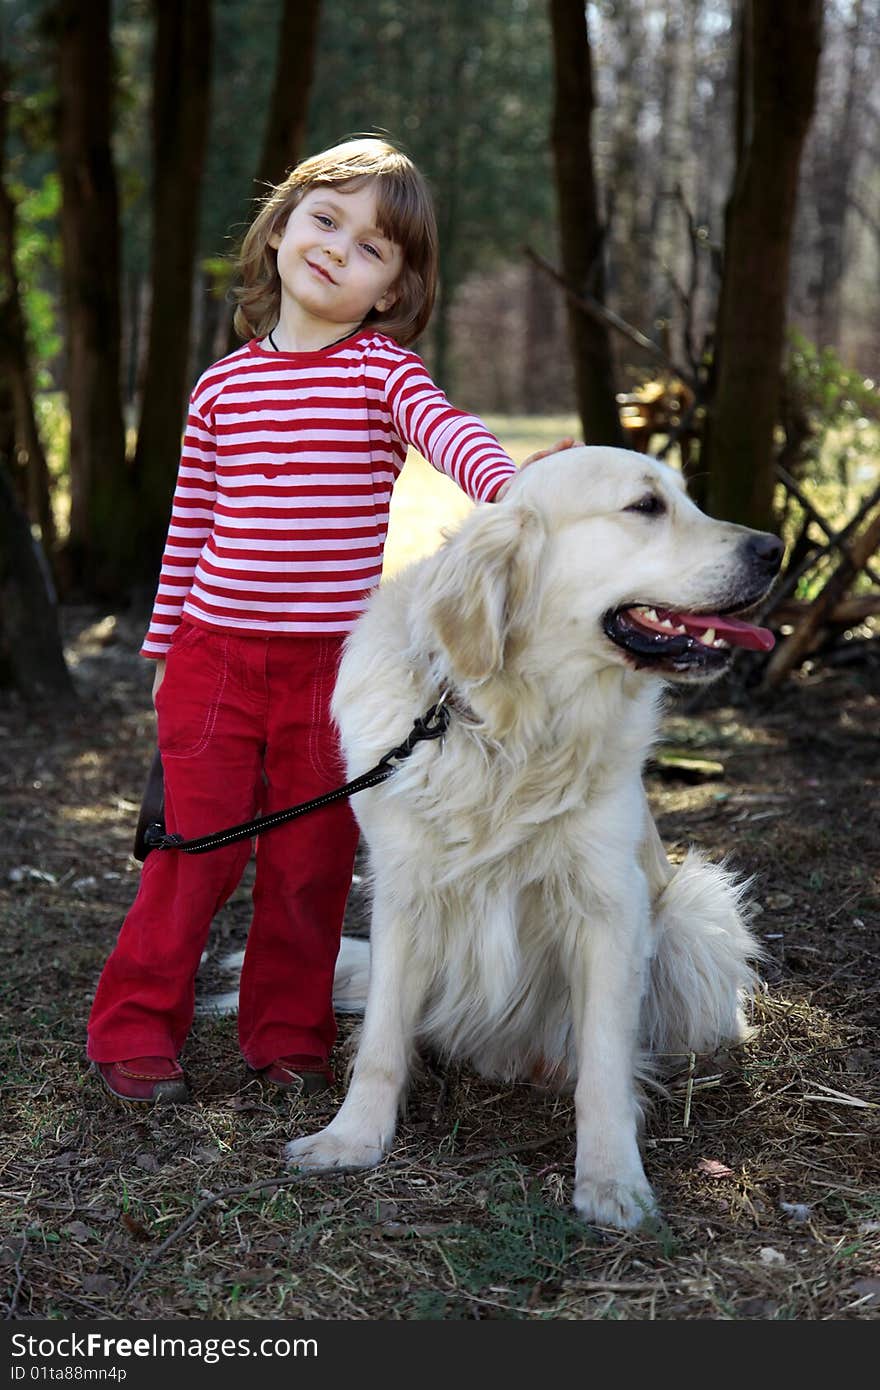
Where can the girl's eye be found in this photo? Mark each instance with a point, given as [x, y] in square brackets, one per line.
[371, 250]
[324, 221]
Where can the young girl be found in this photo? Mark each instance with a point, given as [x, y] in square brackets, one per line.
[279, 519]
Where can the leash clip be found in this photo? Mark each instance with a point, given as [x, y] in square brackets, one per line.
[155, 837]
[435, 722]
[432, 724]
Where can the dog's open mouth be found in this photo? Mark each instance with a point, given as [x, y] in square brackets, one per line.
[682, 641]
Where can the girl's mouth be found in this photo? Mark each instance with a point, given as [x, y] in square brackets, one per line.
[320, 271]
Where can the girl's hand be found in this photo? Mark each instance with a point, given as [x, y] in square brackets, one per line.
[566, 443]
[158, 678]
[556, 448]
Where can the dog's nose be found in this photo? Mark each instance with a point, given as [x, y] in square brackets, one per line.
[766, 550]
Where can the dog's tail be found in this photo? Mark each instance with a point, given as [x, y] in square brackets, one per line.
[701, 978]
[350, 980]
[352, 976]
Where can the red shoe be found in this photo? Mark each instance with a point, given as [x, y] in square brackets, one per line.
[306, 1075]
[147, 1079]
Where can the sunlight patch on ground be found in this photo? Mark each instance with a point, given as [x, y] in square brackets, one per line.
[105, 814]
[425, 502]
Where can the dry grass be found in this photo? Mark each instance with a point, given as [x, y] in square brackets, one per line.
[766, 1160]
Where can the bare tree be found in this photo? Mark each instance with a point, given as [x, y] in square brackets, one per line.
[285, 133]
[31, 655]
[676, 167]
[15, 355]
[580, 226]
[625, 174]
[100, 494]
[181, 96]
[838, 159]
[779, 53]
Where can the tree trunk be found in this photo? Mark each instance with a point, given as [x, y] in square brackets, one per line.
[779, 54]
[289, 108]
[285, 132]
[625, 170]
[15, 354]
[100, 493]
[181, 90]
[581, 231]
[834, 190]
[31, 655]
[678, 170]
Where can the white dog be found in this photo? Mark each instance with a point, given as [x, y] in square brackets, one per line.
[525, 916]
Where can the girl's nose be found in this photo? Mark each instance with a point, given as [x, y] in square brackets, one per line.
[336, 252]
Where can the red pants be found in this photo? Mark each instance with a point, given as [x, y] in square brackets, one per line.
[244, 728]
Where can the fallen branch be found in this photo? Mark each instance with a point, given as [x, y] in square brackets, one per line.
[838, 541]
[815, 515]
[848, 613]
[856, 555]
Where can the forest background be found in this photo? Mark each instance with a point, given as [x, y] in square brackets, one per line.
[628, 190]
[660, 226]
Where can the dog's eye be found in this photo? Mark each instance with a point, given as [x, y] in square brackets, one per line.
[649, 505]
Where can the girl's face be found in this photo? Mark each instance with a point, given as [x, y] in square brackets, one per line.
[334, 263]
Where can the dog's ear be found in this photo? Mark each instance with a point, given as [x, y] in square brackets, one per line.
[484, 588]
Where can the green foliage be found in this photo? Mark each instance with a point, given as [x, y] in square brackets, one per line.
[245, 49]
[467, 90]
[133, 42]
[833, 393]
[219, 272]
[37, 257]
[525, 1240]
[838, 404]
[836, 411]
[53, 421]
[32, 181]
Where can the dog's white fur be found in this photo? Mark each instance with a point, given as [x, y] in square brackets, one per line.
[525, 915]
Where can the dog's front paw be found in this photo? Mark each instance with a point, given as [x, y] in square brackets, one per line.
[332, 1149]
[613, 1203]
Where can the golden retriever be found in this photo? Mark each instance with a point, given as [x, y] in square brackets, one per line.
[525, 917]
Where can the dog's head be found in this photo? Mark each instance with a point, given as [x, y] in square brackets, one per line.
[598, 555]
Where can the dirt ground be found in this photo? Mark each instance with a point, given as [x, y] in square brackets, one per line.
[765, 1160]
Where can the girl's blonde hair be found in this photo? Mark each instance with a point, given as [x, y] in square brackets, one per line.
[405, 215]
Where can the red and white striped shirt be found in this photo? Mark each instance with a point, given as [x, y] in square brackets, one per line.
[280, 512]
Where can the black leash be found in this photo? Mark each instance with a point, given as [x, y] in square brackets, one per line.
[430, 725]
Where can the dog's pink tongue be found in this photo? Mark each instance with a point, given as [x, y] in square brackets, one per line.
[738, 634]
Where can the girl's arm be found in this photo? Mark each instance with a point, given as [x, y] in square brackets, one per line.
[455, 443]
[192, 517]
